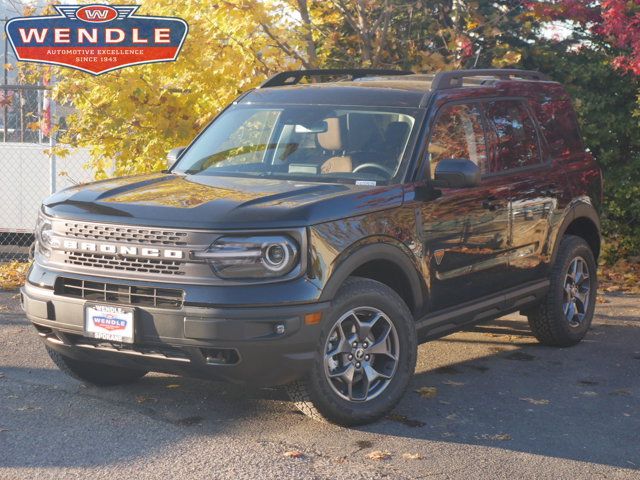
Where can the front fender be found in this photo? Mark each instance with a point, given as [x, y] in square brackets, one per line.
[372, 249]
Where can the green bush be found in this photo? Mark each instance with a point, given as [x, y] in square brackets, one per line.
[608, 111]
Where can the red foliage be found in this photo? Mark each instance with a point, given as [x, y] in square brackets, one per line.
[618, 21]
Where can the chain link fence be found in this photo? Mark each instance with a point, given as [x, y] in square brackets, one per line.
[29, 170]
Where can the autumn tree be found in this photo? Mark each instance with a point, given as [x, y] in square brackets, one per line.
[602, 54]
[130, 118]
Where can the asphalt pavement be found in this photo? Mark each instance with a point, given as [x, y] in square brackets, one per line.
[487, 403]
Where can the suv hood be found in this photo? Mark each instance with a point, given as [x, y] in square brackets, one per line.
[211, 202]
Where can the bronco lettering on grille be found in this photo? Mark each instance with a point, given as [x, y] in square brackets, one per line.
[110, 249]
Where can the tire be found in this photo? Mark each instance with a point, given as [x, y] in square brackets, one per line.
[97, 374]
[549, 321]
[392, 334]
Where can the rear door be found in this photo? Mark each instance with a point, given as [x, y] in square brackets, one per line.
[516, 159]
[465, 231]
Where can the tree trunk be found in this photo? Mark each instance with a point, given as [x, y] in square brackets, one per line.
[310, 46]
[365, 34]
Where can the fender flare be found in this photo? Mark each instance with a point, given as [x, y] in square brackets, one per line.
[577, 211]
[350, 260]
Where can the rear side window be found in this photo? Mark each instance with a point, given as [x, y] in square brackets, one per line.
[515, 139]
[558, 122]
[458, 133]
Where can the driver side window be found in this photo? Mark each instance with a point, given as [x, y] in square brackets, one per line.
[458, 133]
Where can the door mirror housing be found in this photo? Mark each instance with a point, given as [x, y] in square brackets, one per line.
[456, 173]
[174, 155]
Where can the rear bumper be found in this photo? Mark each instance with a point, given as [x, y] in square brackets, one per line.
[237, 344]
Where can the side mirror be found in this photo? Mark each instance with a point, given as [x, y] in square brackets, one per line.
[456, 173]
[174, 155]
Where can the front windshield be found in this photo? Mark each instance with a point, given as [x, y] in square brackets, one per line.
[314, 143]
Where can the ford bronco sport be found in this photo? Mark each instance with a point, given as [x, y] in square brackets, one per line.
[319, 229]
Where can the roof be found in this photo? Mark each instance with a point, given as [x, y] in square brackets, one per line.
[376, 88]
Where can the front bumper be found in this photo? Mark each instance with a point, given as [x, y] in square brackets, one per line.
[237, 344]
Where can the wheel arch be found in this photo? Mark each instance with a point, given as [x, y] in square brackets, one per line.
[582, 221]
[386, 263]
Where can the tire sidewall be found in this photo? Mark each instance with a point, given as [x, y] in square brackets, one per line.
[577, 248]
[356, 294]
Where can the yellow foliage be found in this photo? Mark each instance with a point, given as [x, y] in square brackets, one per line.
[13, 274]
[132, 117]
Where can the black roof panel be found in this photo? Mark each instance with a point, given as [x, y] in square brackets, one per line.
[373, 91]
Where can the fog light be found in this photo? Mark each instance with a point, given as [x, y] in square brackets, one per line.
[279, 329]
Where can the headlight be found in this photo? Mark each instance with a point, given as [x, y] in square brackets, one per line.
[44, 235]
[252, 257]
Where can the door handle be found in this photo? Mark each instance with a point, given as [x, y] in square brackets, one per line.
[488, 203]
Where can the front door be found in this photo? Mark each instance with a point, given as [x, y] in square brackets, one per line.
[465, 231]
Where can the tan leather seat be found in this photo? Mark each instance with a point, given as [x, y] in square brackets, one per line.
[332, 141]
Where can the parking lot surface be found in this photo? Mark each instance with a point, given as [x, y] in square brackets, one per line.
[487, 403]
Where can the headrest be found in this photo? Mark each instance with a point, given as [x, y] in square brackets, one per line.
[332, 138]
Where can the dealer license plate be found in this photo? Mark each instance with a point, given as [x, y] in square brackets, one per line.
[109, 322]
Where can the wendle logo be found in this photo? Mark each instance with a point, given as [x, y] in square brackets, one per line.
[96, 38]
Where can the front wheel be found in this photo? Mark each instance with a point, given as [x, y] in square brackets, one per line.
[564, 317]
[365, 357]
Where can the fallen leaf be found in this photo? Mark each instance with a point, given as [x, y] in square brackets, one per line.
[13, 274]
[534, 401]
[589, 393]
[412, 456]
[453, 384]
[145, 399]
[293, 454]
[427, 392]
[623, 392]
[28, 408]
[500, 437]
[173, 385]
[379, 455]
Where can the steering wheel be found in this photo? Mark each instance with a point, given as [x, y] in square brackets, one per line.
[374, 166]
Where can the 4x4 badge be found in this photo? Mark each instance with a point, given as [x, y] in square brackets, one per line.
[438, 255]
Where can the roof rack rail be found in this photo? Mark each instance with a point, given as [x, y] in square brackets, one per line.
[452, 79]
[295, 76]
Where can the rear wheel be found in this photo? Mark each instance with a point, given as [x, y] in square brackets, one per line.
[94, 373]
[365, 357]
[565, 316]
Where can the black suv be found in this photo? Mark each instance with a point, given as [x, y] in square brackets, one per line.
[321, 227]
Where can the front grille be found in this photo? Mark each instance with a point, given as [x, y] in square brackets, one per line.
[127, 234]
[122, 294]
[125, 264]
